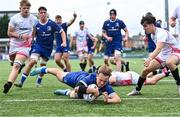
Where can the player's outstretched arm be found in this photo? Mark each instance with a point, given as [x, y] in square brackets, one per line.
[112, 98]
[72, 20]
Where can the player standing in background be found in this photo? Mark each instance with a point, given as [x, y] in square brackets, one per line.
[81, 44]
[91, 43]
[63, 52]
[112, 32]
[42, 47]
[20, 32]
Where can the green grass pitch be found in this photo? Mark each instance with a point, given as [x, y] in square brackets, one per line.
[157, 100]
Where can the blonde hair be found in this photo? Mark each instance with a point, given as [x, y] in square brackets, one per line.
[104, 69]
[25, 3]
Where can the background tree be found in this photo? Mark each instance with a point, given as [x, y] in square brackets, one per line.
[4, 26]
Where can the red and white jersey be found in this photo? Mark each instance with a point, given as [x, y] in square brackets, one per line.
[81, 38]
[170, 42]
[125, 78]
[22, 25]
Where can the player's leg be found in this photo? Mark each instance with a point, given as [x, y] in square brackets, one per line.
[33, 60]
[58, 57]
[67, 62]
[91, 63]
[172, 62]
[126, 64]
[19, 60]
[152, 80]
[106, 60]
[43, 62]
[154, 64]
[12, 58]
[54, 71]
[117, 58]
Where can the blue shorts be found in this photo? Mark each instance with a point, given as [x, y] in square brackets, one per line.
[69, 79]
[44, 52]
[111, 49]
[60, 49]
[90, 51]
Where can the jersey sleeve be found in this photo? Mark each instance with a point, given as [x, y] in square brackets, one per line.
[104, 28]
[161, 36]
[122, 24]
[109, 89]
[34, 20]
[12, 22]
[175, 12]
[57, 28]
[90, 79]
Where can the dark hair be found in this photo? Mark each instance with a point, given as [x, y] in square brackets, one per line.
[148, 19]
[42, 8]
[148, 13]
[81, 22]
[58, 16]
[112, 11]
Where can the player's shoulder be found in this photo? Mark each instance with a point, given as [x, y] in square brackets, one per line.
[119, 20]
[107, 21]
[64, 24]
[16, 16]
[50, 21]
[33, 17]
[161, 31]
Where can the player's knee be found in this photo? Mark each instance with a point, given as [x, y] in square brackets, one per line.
[32, 63]
[169, 63]
[57, 59]
[17, 64]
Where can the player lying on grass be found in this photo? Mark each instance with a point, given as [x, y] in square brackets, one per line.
[131, 78]
[80, 81]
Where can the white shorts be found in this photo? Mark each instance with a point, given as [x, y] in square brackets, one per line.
[162, 57]
[135, 77]
[19, 50]
[117, 53]
[83, 49]
[37, 57]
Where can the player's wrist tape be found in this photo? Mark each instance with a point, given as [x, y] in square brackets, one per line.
[82, 89]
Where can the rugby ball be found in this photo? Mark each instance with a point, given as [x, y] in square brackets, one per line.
[90, 97]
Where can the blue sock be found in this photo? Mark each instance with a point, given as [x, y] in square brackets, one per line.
[23, 78]
[39, 80]
[43, 70]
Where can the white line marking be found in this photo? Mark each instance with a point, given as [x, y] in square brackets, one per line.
[38, 100]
